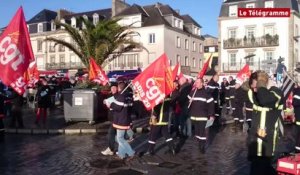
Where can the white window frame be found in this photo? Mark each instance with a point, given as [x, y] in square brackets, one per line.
[186, 61]
[232, 62]
[194, 62]
[186, 44]
[201, 48]
[230, 33]
[269, 54]
[250, 5]
[178, 42]
[269, 4]
[95, 19]
[152, 38]
[39, 45]
[233, 10]
[194, 46]
[272, 29]
[73, 22]
[40, 27]
[53, 26]
[250, 30]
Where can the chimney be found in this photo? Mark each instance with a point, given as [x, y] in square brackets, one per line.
[61, 13]
[118, 6]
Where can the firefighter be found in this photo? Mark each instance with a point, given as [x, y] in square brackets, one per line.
[231, 93]
[227, 97]
[296, 105]
[248, 104]
[213, 89]
[267, 107]
[201, 109]
[159, 126]
[238, 104]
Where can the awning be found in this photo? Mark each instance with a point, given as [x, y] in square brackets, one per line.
[119, 73]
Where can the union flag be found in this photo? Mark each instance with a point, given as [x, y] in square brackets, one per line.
[204, 68]
[96, 74]
[244, 73]
[15, 53]
[155, 82]
[177, 74]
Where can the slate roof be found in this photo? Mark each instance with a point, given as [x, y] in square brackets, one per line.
[106, 13]
[209, 36]
[42, 16]
[188, 19]
[134, 9]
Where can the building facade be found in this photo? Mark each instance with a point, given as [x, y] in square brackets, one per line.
[211, 49]
[266, 39]
[160, 30]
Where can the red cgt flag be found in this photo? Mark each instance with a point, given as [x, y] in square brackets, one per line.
[155, 82]
[244, 73]
[96, 74]
[205, 67]
[15, 53]
[33, 74]
[177, 72]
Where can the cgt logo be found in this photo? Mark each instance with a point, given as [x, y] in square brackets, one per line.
[9, 53]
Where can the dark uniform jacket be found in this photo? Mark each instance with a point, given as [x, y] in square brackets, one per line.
[161, 112]
[238, 103]
[184, 91]
[44, 96]
[120, 112]
[232, 89]
[213, 90]
[202, 105]
[267, 107]
[296, 104]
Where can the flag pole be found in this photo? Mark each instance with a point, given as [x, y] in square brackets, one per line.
[126, 87]
[192, 98]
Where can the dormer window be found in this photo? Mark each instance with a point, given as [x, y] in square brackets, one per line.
[53, 26]
[250, 5]
[62, 21]
[196, 31]
[73, 22]
[95, 19]
[233, 10]
[269, 4]
[83, 25]
[40, 28]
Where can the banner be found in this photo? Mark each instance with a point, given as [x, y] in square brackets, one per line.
[15, 53]
[155, 82]
[96, 74]
[33, 74]
[244, 73]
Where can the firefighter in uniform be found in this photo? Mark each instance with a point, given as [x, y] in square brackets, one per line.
[238, 103]
[248, 104]
[231, 95]
[267, 108]
[213, 88]
[227, 98]
[159, 126]
[296, 105]
[201, 109]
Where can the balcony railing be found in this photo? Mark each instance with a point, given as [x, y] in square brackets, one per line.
[264, 41]
[236, 67]
[129, 65]
[63, 65]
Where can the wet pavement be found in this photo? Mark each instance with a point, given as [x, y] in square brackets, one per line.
[80, 154]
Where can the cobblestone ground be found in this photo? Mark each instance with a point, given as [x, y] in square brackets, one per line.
[80, 154]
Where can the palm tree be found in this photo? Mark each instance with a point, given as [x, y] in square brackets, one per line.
[104, 41]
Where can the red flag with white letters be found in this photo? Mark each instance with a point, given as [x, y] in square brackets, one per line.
[15, 53]
[33, 74]
[244, 73]
[96, 74]
[155, 82]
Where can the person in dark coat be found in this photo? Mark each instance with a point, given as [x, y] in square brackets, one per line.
[239, 103]
[183, 102]
[201, 109]
[263, 135]
[43, 97]
[121, 123]
[224, 84]
[296, 105]
[213, 89]
[231, 92]
[16, 114]
[111, 134]
[174, 123]
[159, 126]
